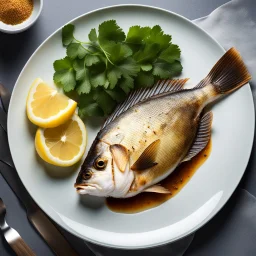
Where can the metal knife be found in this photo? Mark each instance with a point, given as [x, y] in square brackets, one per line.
[36, 216]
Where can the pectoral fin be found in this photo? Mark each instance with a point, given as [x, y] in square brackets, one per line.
[147, 158]
[157, 189]
[120, 155]
[203, 136]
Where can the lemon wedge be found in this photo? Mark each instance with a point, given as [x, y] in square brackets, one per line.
[46, 107]
[63, 145]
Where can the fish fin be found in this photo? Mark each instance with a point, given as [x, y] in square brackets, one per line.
[139, 95]
[228, 74]
[157, 189]
[203, 136]
[147, 158]
[120, 155]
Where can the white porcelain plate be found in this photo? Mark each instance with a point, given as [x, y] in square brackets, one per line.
[208, 190]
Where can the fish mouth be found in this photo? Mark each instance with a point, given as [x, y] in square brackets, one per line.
[85, 188]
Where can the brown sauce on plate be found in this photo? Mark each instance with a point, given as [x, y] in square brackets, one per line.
[174, 182]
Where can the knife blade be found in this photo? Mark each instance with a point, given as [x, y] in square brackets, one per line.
[36, 216]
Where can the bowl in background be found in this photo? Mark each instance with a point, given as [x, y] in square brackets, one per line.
[12, 29]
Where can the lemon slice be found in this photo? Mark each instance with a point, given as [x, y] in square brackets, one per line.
[46, 107]
[63, 145]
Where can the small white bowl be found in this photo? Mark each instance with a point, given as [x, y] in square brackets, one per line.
[12, 29]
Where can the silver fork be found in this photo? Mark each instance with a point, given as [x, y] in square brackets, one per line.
[12, 236]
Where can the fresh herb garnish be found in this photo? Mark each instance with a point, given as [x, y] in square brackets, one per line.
[107, 67]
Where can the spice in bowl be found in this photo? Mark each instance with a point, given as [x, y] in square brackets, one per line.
[14, 12]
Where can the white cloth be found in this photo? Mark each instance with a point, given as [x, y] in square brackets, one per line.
[232, 24]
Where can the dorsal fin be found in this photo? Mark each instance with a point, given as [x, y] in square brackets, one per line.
[203, 136]
[137, 96]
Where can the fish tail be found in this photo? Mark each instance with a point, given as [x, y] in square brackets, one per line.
[228, 74]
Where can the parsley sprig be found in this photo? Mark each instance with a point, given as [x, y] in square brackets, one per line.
[104, 69]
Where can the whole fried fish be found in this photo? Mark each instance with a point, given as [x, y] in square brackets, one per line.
[154, 130]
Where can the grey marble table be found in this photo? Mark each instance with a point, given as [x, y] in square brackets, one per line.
[15, 50]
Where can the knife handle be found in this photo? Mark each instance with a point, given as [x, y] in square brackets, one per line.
[21, 248]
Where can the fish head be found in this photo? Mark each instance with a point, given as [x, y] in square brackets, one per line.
[96, 174]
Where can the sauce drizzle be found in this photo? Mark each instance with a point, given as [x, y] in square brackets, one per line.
[174, 182]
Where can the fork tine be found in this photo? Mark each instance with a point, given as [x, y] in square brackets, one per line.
[2, 212]
[2, 205]
[5, 96]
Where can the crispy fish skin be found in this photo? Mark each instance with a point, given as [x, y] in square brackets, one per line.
[144, 142]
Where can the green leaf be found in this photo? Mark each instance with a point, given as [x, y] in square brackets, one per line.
[127, 84]
[116, 51]
[106, 103]
[65, 78]
[67, 34]
[78, 66]
[157, 36]
[113, 75]
[117, 94]
[91, 60]
[85, 100]
[114, 65]
[106, 85]
[137, 34]
[64, 74]
[166, 70]
[94, 48]
[98, 79]
[84, 86]
[61, 64]
[110, 31]
[146, 67]
[92, 109]
[129, 67]
[75, 50]
[144, 79]
[170, 54]
[147, 53]
[93, 35]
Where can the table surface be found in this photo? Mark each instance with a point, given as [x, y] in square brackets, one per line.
[16, 49]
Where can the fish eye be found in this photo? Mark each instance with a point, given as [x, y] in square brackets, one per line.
[100, 163]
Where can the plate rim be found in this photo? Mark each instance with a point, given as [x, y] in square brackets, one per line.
[58, 220]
